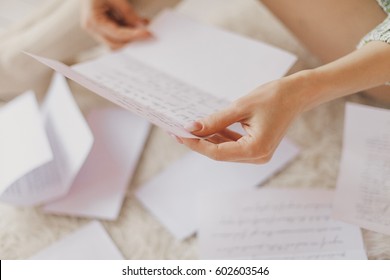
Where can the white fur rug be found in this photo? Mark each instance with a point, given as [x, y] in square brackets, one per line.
[24, 231]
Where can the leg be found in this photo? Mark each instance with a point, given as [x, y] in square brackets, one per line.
[331, 28]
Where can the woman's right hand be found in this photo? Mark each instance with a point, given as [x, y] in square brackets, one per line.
[265, 114]
[113, 22]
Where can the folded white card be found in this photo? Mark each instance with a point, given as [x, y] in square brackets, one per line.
[100, 187]
[23, 142]
[275, 224]
[187, 71]
[172, 195]
[363, 186]
[91, 242]
[70, 141]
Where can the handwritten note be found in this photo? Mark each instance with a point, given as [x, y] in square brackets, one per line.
[274, 224]
[166, 97]
[171, 196]
[363, 187]
[175, 78]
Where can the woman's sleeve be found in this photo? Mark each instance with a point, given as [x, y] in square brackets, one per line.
[380, 33]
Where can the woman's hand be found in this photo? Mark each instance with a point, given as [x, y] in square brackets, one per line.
[113, 22]
[265, 114]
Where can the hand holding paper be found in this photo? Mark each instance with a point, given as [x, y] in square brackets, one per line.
[265, 114]
[174, 78]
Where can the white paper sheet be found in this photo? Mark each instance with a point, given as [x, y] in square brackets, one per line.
[176, 77]
[172, 195]
[99, 189]
[70, 140]
[23, 142]
[275, 224]
[363, 186]
[224, 64]
[91, 242]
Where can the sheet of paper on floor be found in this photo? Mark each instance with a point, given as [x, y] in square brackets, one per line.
[172, 195]
[23, 142]
[275, 224]
[175, 78]
[100, 187]
[70, 140]
[91, 242]
[363, 186]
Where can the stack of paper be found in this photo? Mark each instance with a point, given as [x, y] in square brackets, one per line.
[363, 187]
[275, 224]
[43, 161]
[187, 71]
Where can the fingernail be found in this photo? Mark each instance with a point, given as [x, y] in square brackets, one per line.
[144, 33]
[142, 22]
[193, 126]
[149, 34]
[178, 140]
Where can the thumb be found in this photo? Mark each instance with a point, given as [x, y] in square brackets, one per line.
[215, 122]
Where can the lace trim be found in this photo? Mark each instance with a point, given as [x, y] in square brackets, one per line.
[380, 33]
[385, 4]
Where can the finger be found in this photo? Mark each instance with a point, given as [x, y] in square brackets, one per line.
[230, 134]
[226, 151]
[236, 160]
[202, 147]
[145, 21]
[113, 45]
[125, 13]
[260, 160]
[251, 161]
[218, 139]
[113, 32]
[215, 122]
